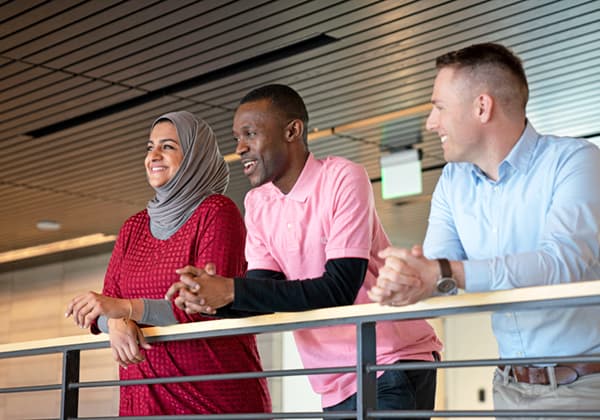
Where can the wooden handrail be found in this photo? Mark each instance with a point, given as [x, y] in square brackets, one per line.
[522, 298]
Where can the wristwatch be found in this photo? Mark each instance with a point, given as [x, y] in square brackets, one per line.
[446, 285]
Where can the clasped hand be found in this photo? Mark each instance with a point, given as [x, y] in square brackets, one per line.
[200, 290]
[406, 277]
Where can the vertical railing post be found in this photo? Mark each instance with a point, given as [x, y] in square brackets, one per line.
[69, 401]
[366, 382]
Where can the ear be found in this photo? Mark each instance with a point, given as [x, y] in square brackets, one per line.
[482, 107]
[295, 130]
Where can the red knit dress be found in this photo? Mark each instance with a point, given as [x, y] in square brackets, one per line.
[142, 266]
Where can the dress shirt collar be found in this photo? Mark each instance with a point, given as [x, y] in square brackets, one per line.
[519, 158]
[521, 155]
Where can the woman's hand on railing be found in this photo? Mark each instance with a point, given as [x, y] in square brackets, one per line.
[89, 306]
[126, 338]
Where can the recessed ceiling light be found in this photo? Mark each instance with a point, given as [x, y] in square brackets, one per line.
[48, 225]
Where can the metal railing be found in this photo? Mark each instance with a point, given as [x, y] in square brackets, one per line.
[364, 317]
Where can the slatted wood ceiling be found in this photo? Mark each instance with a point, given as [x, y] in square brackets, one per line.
[67, 58]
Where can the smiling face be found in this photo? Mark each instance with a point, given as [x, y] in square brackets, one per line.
[453, 117]
[261, 136]
[164, 154]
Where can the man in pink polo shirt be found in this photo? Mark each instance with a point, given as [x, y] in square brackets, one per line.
[313, 224]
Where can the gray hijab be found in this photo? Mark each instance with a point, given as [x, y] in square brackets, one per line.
[203, 171]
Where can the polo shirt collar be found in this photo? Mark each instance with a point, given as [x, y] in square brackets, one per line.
[306, 181]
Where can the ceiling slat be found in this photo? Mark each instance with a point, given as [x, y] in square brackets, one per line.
[68, 58]
[22, 43]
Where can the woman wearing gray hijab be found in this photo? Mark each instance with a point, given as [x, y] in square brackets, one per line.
[188, 222]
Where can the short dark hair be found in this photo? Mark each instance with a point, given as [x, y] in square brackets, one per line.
[493, 64]
[285, 99]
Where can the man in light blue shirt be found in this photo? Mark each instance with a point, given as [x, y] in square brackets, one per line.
[512, 208]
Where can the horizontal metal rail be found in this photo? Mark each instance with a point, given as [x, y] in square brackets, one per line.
[363, 316]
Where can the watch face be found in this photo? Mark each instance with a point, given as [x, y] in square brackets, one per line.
[446, 285]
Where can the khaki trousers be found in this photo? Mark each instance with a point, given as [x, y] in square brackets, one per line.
[583, 394]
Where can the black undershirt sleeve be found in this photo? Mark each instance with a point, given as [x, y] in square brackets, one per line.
[228, 311]
[263, 291]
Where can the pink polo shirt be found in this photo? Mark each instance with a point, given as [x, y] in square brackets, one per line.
[329, 213]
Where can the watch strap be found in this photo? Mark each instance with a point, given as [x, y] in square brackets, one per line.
[445, 269]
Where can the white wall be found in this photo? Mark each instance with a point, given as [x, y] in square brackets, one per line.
[297, 394]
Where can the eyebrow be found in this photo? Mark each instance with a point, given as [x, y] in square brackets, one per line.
[244, 127]
[163, 140]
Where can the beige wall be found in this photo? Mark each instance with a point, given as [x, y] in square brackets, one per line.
[470, 337]
[32, 306]
[32, 303]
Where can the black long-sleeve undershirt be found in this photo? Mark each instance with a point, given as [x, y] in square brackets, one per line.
[267, 291]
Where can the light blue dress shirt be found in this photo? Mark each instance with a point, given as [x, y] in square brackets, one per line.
[538, 224]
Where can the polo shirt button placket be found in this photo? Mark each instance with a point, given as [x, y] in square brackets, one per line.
[291, 239]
